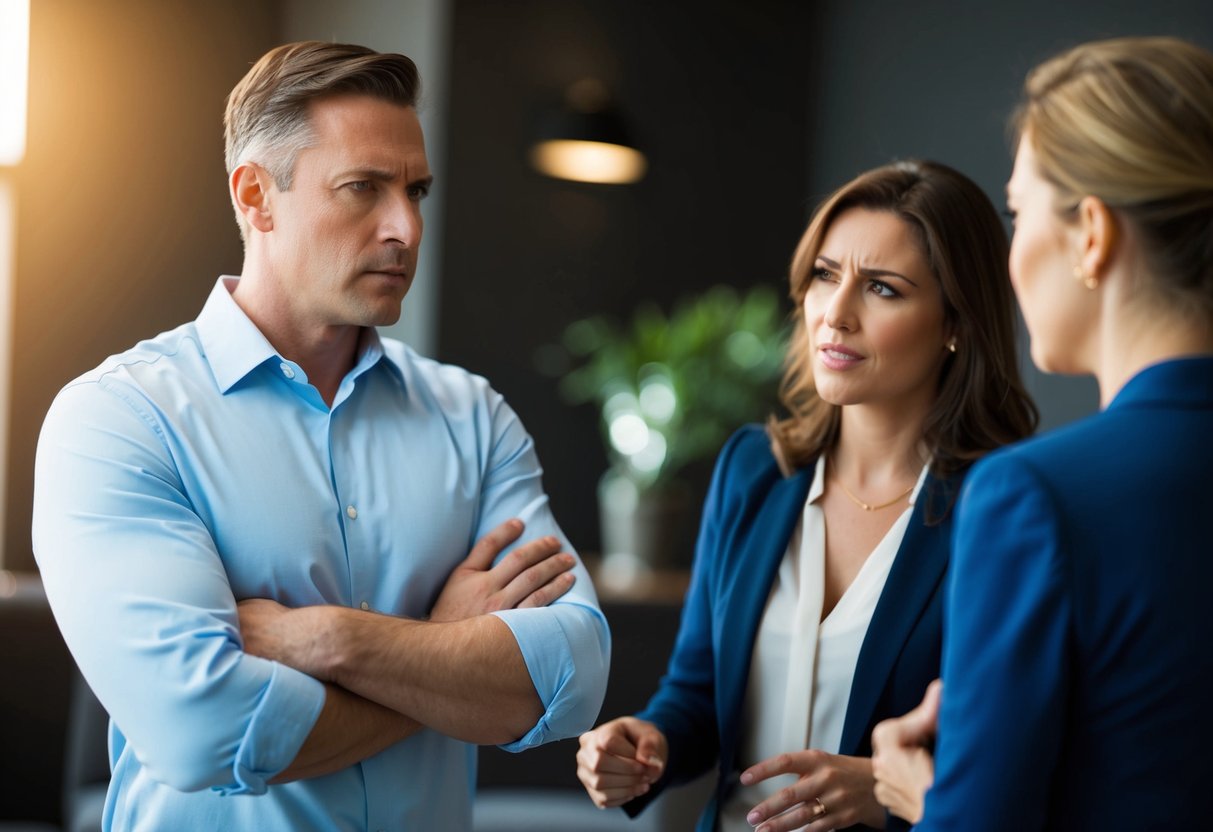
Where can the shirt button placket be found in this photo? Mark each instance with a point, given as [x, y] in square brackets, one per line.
[352, 513]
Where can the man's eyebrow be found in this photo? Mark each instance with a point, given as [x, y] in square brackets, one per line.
[868, 272]
[378, 174]
[383, 175]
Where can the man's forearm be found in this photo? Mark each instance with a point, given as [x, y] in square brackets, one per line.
[350, 729]
[466, 679]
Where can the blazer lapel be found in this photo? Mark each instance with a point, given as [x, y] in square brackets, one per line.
[921, 562]
[751, 577]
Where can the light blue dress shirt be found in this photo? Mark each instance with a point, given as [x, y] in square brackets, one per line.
[200, 468]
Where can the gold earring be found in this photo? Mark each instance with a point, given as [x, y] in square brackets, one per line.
[1088, 280]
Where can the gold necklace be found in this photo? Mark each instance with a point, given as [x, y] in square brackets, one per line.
[867, 507]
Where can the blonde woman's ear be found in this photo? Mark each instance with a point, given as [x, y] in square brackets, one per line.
[1099, 237]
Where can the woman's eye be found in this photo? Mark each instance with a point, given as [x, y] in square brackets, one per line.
[883, 289]
[821, 274]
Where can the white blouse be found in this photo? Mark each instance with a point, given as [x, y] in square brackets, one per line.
[802, 667]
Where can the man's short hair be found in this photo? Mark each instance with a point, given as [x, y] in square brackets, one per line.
[267, 112]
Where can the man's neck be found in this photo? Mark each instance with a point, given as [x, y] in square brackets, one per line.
[325, 352]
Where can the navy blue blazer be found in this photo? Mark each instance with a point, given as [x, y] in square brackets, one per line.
[749, 516]
[1078, 663]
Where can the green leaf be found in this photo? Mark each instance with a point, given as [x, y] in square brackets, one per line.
[721, 352]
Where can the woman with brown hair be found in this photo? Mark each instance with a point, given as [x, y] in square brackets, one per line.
[1078, 669]
[815, 604]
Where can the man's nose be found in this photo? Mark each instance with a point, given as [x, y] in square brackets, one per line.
[402, 222]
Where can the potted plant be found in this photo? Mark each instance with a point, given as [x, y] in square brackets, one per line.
[670, 389]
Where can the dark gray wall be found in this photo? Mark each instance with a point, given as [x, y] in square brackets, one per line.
[715, 91]
[938, 79]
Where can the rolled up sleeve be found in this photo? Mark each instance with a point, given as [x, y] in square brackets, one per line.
[566, 645]
[566, 648]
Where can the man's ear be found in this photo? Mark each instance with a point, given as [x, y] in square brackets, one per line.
[250, 185]
[1099, 234]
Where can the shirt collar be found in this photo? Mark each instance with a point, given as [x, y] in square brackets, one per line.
[234, 346]
[371, 352]
[819, 479]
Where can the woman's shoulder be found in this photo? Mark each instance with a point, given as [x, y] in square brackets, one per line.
[1062, 472]
[1054, 451]
[749, 453]
[748, 474]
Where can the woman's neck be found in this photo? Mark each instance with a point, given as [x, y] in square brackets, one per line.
[878, 449]
[1135, 337]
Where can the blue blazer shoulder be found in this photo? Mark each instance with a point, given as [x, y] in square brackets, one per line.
[1078, 622]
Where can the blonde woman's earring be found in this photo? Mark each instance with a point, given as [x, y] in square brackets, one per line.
[1088, 280]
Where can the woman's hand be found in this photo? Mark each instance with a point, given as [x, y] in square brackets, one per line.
[833, 792]
[620, 760]
[903, 767]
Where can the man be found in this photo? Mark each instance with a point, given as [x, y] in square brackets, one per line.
[244, 523]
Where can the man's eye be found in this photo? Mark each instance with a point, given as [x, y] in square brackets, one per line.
[360, 186]
[418, 192]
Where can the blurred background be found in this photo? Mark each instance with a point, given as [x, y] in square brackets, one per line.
[747, 114]
[115, 219]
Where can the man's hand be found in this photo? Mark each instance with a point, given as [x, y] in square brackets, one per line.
[903, 767]
[533, 575]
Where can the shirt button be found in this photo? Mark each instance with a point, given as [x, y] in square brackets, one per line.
[351, 512]
[364, 605]
[287, 370]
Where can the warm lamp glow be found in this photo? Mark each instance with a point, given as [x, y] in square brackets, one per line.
[14, 78]
[583, 161]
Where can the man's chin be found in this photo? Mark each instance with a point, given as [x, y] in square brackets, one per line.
[383, 317]
[383, 308]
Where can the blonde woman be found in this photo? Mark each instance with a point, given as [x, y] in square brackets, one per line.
[1077, 664]
[815, 605]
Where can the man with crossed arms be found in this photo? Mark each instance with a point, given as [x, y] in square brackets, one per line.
[254, 529]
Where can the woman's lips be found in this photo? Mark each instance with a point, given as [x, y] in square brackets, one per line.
[838, 357]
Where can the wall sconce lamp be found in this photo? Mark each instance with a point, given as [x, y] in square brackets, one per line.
[14, 78]
[588, 140]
